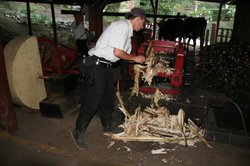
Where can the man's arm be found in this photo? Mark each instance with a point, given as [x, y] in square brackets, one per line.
[129, 57]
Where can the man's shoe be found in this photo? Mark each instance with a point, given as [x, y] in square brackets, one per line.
[78, 140]
[112, 129]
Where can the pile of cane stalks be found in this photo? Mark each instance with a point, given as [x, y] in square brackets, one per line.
[156, 124]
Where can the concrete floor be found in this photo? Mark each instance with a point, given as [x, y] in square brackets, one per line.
[47, 141]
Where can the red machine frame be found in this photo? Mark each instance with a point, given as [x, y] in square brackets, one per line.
[57, 59]
[176, 79]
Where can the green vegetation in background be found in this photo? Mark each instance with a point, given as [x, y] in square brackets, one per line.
[168, 7]
[192, 8]
[18, 10]
[185, 7]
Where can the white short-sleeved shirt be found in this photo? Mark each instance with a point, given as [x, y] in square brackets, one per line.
[79, 31]
[117, 35]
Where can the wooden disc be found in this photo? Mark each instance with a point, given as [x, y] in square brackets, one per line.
[23, 66]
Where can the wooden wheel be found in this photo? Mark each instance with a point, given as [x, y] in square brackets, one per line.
[23, 66]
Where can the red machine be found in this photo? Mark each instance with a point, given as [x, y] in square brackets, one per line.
[56, 59]
[172, 52]
[60, 66]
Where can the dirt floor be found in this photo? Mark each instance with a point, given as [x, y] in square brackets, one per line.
[47, 141]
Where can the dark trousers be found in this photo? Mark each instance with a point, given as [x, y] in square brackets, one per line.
[99, 93]
[82, 47]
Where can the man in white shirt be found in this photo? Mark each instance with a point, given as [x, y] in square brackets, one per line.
[80, 34]
[114, 44]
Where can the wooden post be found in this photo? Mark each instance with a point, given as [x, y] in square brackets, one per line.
[54, 22]
[221, 35]
[96, 19]
[227, 35]
[205, 51]
[213, 34]
[8, 120]
[218, 20]
[155, 19]
[29, 19]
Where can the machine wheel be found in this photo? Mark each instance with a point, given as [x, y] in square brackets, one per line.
[23, 67]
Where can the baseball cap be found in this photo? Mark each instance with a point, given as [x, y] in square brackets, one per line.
[138, 12]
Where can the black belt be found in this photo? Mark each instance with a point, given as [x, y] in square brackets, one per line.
[101, 61]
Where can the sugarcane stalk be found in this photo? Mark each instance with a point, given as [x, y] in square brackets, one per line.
[155, 115]
[137, 113]
[149, 49]
[138, 70]
[163, 130]
[123, 109]
[180, 117]
[148, 139]
[198, 135]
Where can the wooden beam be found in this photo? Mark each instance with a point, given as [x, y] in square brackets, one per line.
[70, 12]
[8, 120]
[66, 2]
[148, 15]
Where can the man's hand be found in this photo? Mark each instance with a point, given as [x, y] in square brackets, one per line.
[129, 57]
[139, 59]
